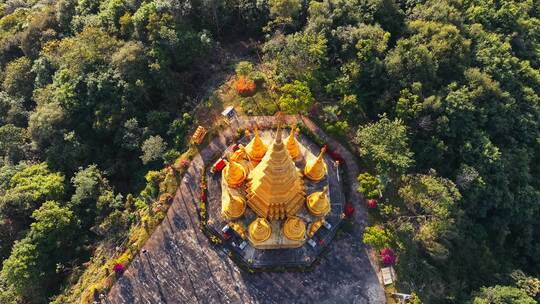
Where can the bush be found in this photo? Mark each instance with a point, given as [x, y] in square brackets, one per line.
[245, 86]
[369, 185]
[244, 68]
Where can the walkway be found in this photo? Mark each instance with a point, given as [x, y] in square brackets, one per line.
[181, 266]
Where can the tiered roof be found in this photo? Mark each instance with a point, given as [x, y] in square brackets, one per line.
[275, 188]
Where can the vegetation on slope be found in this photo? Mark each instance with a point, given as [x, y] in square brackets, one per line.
[440, 99]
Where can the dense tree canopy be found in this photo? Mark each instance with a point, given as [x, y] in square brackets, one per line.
[440, 99]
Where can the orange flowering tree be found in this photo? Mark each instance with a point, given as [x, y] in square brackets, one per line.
[245, 86]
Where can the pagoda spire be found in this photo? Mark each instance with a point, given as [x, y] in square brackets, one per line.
[315, 169]
[256, 149]
[275, 189]
[292, 146]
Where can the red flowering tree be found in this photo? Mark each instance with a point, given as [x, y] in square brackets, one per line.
[118, 268]
[387, 257]
[372, 203]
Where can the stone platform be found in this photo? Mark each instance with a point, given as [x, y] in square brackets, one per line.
[306, 252]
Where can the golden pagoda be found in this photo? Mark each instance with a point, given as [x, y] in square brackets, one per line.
[234, 207]
[239, 154]
[316, 168]
[315, 227]
[239, 229]
[318, 203]
[275, 189]
[294, 228]
[256, 149]
[292, 146]
[234, 174]
[259, 231]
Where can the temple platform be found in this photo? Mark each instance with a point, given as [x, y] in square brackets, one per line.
[292, 254]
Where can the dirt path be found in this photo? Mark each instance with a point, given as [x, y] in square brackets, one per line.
[181, 266]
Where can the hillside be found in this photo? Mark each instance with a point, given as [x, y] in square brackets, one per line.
[438, 99]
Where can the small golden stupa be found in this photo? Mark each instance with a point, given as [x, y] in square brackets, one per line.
[315, 227]
[234, 207]
[256, 149]
[294, 228]
[234, 173]
[275, 189]
[292, 146]
[239, 154]
[316, 168]
[259, 230]
[318, 203]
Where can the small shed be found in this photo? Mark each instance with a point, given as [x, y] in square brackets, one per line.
[387, 274]
[229, 112]
[199, 134]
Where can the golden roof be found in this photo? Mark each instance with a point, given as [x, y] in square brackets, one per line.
[256, 149]
[239, 229]
[318, 203]
[294, 228]
[275, 188]
[234, 207]
[259, 230]
[314, 227]
[234, 174]
[292, 146]
[316, 168]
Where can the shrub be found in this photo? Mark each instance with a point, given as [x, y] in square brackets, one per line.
[244, 68]
[245, 86]
[376, 237]
[387, 257]
[369, 185]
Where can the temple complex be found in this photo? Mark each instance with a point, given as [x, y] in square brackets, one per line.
[264, 189]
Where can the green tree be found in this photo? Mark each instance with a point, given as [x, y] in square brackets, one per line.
[295, 97]
[502, 295]
[369, 185]
[385, 144]
[153, 149]
[31, 267]
[376, 237]
[18, 78]
[431, 201]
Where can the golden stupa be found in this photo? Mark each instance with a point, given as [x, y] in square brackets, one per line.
[256, 149]
[294, 228]
[316, 168]
[292, 146]
[318, 203]
[275, 189]
[239, 154]
[234, 174]
[259, 230]
[315, 227]
[234, 207]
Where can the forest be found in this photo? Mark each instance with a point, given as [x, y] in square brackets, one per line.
[439, 99]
